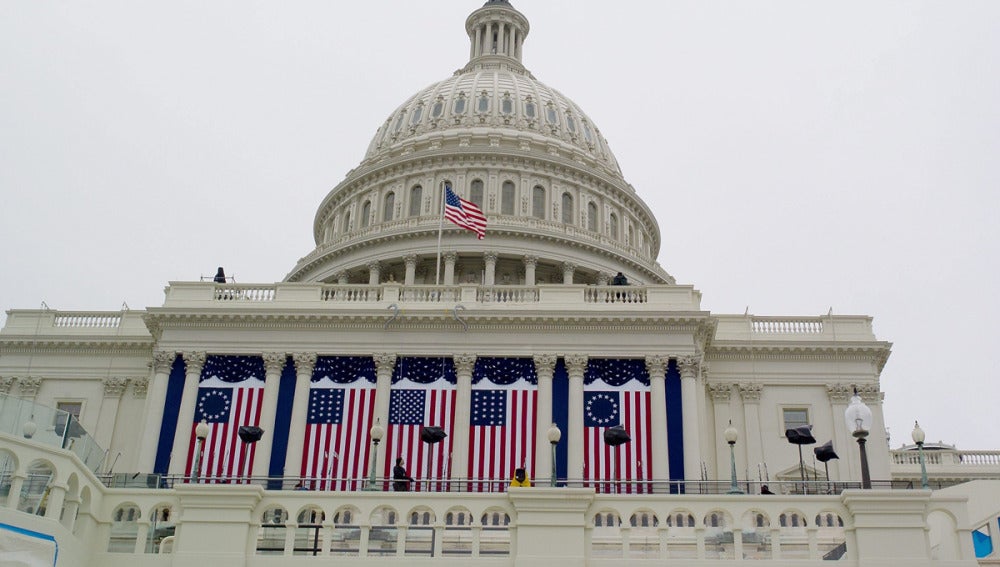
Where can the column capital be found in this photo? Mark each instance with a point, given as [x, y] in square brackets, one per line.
[374, 266]
[870, 393]
[6, 382]
[410, 259]
[163, 361]
[750, 392]
[576, 363]
[545, 364]
[114, 386]
[491, 256]
[530, 261]
[274, 362]
[720, 391]
[451, 256]
[689, 365]
[29, 386]
[305, 362]
[656, 365]
[464, 362]
[839, 392]
[384, 360]
[568, 267]
[195, 361]
[140, 386]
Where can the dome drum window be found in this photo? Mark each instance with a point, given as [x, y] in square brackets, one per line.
[507, 104]
[460, 105]
[530, 111]
[438, 109]
[418, 112]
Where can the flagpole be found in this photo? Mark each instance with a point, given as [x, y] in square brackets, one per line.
[437, 264]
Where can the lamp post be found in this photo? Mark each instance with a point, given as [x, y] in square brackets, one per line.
[731, 436]
[859, 422]
[918, 438]
[29, 428]
[201, 433]
[376, 433]
[554, 435]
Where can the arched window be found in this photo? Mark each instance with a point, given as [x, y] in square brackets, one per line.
[476, 193]
[507, 198]
[538, 202]
[388, 206]
[366, 214]
[567, 208]
[416, 198]
[592, 217]
[613, 226]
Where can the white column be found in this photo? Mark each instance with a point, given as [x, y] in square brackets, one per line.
[304, 364]
[54, 504]
[459, 461]
[411, 269]
[530, 262]
[545, 365]
[568, 269]
[490, 259]
[576, 366]
[185, 415]
[754, 444]
[156, 399]
[688, 366]
[840, 395]
[16, 485]
[660, 467]
[722, 411]
[274, 362]
[374, 272]
[449, 267]
[384, 365]
[114, 387]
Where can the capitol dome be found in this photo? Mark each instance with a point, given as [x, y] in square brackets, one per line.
[558, 208]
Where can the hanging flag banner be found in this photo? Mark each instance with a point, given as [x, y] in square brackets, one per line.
[503, 422]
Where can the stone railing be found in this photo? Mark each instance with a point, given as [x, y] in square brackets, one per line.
[787, 326]
[96, 320]
[948, 457]
[244, 293]
[240, 524]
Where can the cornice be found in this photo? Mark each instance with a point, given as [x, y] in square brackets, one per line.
[501, 321]
[876, 352]
[96, 346]
[523, 235]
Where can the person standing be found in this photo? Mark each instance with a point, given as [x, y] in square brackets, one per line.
[520, 478]
[401, 480]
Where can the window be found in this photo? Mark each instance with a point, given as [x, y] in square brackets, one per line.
[437, 109]
[795, 417]
[72, 408]
[507, 198]
[631, 236]
[366, 214]
[388, 206]
[538, 202]
[550, 114]
[483, 104]
[571, 124]
[416, 197]
[592, 217]
[417, 113]
[613, 226]
[476, 193]
[507, 105]
[347, 221]
[399, 122]
[460, 104]
[567, 208]
[529, 109]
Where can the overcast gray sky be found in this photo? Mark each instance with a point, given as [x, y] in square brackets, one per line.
[798, 156]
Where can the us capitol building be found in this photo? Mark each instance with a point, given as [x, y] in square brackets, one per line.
[262, 424]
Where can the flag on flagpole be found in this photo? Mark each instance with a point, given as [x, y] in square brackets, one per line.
[464, 213]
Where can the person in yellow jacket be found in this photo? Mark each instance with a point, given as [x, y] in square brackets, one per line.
[520, 478]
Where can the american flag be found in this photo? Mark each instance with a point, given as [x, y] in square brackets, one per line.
[230, 394]
[617, 394]
[464, 213]
[502, 436]
[341, 405]
[503, 420]
[409, 410]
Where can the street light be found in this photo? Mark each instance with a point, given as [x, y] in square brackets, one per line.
[376, 433]
[731, 436]
[918, 438]
[554, 436]
[201, 432]
[29, 428]
[859, 422]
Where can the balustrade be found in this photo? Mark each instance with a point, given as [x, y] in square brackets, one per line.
[88, 320]
[787, 326]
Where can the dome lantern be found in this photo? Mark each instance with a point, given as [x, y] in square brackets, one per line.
[496, 32]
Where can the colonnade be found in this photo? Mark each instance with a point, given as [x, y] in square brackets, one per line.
[545, 364]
